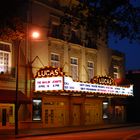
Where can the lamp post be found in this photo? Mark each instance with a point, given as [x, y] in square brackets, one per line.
[35, 35]
[16, 101]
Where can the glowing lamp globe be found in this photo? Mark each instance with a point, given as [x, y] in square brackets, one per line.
[35, 35]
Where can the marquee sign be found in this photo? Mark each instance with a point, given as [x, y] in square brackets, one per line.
[67, 84]
[53, 79]
[104, 80]
[70, 85]
[49, 84]
[49, 72]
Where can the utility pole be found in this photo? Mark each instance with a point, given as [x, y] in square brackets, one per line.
[17, 78]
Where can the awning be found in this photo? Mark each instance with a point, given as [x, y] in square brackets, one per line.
[9, 96]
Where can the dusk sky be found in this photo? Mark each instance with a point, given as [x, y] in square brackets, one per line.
[131, 50]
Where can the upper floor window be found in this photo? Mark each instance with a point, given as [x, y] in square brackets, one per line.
[55, 60]
[90, 70]
[5, 57]
[74, 68]
[74, 37]
[55, 30]
[116, 72]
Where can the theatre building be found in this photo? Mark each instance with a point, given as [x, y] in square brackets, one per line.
[63, 79]
[60, 101]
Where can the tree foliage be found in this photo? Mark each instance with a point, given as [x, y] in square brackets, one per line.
[119, 17]
[12, 25]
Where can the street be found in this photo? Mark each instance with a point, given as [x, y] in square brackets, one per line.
[126, 133]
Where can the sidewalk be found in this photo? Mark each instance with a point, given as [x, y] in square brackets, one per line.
[62, 130]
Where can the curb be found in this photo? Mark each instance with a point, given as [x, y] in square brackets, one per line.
[74, 131]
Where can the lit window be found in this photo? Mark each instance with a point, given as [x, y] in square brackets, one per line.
[5, 57]
[55, 60]
[74, 68]
[116, 72]
[90, 70]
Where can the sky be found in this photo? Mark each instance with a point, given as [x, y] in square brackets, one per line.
[131, 51]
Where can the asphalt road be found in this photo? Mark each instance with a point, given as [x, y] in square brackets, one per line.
[126, 133]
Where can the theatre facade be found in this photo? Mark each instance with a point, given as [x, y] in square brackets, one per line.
[60, 101]
[64, 79]
[76, 94]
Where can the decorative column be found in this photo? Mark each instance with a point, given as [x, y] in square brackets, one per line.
[83, 74]
[66, 59]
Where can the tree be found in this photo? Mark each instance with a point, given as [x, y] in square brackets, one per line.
[12, 20]
[119, 17]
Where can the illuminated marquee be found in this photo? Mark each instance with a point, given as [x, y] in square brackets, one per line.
[56, 83]
[53, 79]
[49, 84]
[49, 72]
[104, 80]
[49, 79]
[70, 85]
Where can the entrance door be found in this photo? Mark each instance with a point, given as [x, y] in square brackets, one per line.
[76, 114]
[3, 117]
[49, 118]
[89, 116]
[119, 116]
[60, 117]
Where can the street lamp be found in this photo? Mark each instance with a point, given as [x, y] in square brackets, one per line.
[35, 35]
[16, 101]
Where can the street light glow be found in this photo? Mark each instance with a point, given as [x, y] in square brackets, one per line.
[35, 34]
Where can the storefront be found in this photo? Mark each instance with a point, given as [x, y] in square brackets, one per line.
[7, 107]
[6, 115]
[59, 101]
